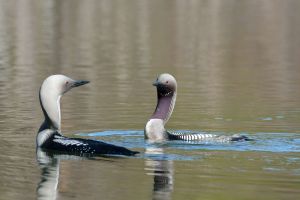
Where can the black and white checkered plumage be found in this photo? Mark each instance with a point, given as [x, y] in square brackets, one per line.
[79, 146]
[205, 137]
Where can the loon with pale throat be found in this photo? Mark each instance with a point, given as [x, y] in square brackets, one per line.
[166, 86]
[49, 136]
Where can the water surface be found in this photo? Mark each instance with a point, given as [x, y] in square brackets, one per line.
[237, 67]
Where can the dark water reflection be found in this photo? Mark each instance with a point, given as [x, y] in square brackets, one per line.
[237, 66]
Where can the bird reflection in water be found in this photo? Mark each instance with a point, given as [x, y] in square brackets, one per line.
[49, 163]
[158, 166]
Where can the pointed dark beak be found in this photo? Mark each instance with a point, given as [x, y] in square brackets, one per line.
[155, 83]
[80, 82]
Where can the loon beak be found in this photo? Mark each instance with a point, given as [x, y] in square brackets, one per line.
[80, 82]
[155, 83]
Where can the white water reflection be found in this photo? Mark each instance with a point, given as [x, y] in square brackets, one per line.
[161, 169]
[49, 163]
[48, 186]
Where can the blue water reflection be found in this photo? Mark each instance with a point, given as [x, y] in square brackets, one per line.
[267, 142]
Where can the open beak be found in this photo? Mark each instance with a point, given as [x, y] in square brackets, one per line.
[80, 82]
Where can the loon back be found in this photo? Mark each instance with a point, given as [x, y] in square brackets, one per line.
[49, 136]
[78, 146]
[206, 137]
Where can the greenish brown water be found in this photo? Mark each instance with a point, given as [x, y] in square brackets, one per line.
[237, 65]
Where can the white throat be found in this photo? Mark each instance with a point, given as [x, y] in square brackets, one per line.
[50, 100]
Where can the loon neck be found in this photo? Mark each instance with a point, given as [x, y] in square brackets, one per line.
[51, 110]
[155, 127]
[164, 107]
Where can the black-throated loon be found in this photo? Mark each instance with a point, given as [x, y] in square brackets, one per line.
[166, 97]
[49, 135]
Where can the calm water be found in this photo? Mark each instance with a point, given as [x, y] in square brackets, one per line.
[237, 65]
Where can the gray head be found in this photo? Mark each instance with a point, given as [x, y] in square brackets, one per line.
[166, 85]
[51, 91]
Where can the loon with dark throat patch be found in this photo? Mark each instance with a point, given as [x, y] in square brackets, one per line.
[166, 86]
[49, 135]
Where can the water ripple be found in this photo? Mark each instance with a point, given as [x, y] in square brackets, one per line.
[262, 142]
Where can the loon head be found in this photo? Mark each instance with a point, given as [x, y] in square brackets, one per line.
[166, 87]
[51, 91]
